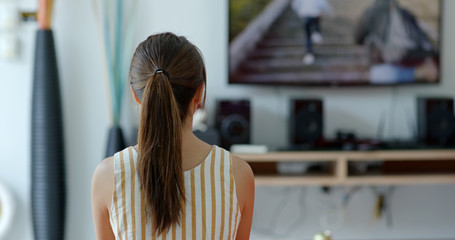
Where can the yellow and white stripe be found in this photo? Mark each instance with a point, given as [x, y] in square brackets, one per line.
[211, 211]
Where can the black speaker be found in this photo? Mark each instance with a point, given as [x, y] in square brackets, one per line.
[233, 122]
[306, 122]
[435, 121]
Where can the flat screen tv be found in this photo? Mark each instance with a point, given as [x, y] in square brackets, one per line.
[334, 42]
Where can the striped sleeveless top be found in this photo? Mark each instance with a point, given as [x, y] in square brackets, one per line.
[211, 211]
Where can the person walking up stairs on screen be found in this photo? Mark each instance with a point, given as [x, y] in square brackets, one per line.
[310, 12]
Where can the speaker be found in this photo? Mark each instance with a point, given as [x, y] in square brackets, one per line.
[233, 122]
[306, 122]
[435, 121]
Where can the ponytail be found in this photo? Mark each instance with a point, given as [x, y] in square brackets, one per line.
[166, 72]
[160, 156]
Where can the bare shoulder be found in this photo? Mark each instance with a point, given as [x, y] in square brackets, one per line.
[244, 182]
[103, 182]
[104, 170]
[242, 170]
[102, 190]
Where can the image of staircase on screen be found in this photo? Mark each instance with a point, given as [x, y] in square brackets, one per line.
[334, 42]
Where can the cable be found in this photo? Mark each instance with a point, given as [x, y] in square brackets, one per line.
[302, 216]
[393, 105]
[277, 212]
[388, 204]
[381, 126]
[338, 213]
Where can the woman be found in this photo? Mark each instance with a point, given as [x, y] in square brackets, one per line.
[171, 185]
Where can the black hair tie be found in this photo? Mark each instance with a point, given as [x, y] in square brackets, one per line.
[160, 70]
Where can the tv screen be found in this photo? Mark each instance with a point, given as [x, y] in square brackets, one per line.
[334, 42]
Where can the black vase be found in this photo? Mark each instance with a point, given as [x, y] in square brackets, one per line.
[47, 146]
[115, 141]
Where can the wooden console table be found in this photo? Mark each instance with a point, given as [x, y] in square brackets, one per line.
[339, 174]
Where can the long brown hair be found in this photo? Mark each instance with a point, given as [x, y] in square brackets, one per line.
[166, 72]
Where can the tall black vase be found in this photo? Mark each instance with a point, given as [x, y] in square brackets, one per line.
[115, 141]
[47, 149]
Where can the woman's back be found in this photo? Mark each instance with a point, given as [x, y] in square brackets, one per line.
[166, 187]
[211, 210]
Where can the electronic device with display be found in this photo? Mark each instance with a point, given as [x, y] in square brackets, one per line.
[380, 42]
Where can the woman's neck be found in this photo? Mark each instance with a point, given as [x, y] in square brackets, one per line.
[194, 150]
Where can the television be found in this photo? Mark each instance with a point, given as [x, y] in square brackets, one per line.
[334, 42]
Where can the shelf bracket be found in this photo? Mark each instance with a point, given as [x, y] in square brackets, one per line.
[341, 169]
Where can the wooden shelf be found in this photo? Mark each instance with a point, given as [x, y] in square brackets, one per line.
[340, 174]
[294, 180]
[352, 155]
[402, 180]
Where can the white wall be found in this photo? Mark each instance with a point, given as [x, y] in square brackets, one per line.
[419, 211]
